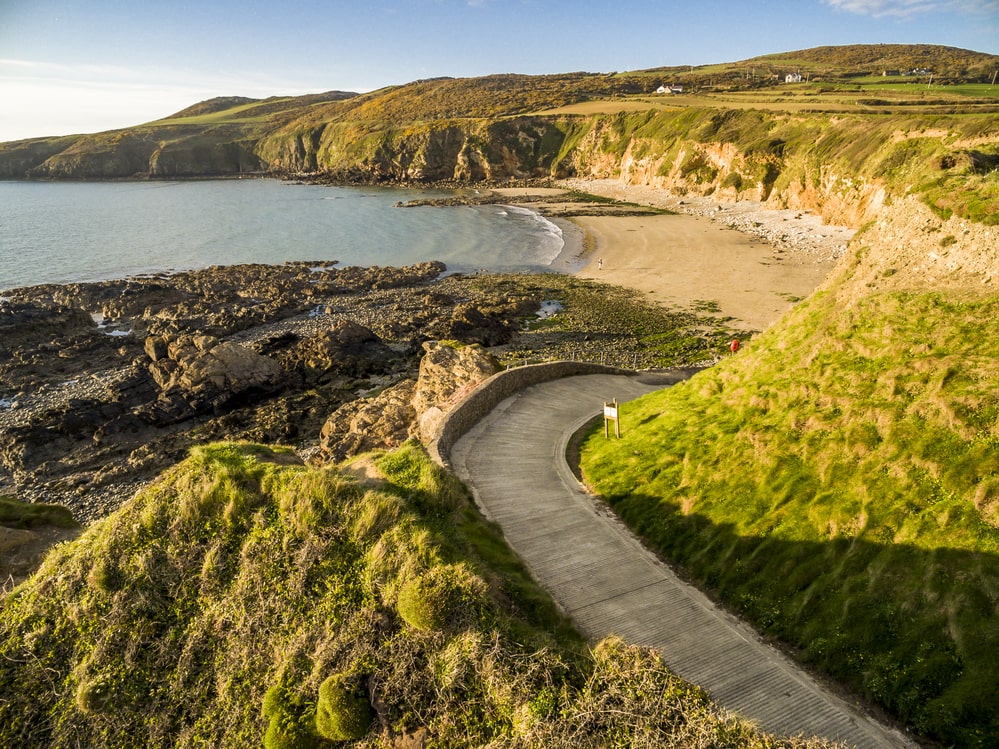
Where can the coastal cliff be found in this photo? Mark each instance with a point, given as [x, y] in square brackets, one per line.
[844, 168]
[842, 146]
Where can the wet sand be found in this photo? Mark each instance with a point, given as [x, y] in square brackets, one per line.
[696, 260]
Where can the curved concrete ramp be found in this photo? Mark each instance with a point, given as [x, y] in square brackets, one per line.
[609, 583]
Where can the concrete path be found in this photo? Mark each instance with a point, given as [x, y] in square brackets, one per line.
[514, 462]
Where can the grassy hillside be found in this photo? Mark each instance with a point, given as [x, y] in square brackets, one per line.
[488, 127]
[874, 59]
[247, 600]
[837, 481]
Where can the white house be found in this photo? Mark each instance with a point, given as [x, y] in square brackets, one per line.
[792, 78]
[669, 90]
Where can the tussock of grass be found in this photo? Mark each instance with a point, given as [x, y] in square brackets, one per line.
[246, 600]
[836, 481]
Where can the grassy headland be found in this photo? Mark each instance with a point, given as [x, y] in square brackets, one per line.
[836, 482]
[246, 599]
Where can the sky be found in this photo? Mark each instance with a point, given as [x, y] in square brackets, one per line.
[75, 66]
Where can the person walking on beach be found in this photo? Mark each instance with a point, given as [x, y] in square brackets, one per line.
[600, 263]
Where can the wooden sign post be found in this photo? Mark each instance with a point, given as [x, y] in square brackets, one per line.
[611, 414]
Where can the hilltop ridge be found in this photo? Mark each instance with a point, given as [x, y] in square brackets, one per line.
[492, 127]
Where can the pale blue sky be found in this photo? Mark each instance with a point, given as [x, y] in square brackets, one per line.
[69, 66]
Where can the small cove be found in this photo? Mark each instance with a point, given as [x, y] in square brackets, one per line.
[62, 232]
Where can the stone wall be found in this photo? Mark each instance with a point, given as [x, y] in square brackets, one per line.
[484, 398]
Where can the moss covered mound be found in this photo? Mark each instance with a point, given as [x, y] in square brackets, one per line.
[837, 481]
[15, 514]
[246, 600]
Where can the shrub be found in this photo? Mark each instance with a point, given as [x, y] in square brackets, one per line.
[734, 179]
[16, 514]
[448, 595]
[342, 712]
[287, 727]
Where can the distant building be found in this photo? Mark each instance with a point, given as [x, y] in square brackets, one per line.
[669, 90]
[792, 78]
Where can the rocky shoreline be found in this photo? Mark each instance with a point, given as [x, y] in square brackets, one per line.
[104, 385]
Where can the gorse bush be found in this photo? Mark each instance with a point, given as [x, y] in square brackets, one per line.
[246, 600]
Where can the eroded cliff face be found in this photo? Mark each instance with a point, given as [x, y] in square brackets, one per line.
[130, 154]
[843, 168]
[726, 171]
[909, 248]
[465, 150]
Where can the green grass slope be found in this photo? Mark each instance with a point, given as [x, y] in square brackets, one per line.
[246, 600]
[837, 481]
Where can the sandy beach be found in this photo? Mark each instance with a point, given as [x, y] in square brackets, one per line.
[692, 262]
[747, 262]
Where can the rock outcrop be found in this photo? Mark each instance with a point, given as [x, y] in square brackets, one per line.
[105, 384]
[26, 322]
[407, 409]
[446, 373]
[379, 422]
[347, 348]
[200, 374]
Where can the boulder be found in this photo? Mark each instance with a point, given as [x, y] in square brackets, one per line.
[470, 323]
[207, 375]
[407, 409]
[381, 422]
[446, 373]
[347, 348]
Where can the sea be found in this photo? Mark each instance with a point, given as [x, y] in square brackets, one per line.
[61, 232]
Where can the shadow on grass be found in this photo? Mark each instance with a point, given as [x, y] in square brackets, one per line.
[914, 630]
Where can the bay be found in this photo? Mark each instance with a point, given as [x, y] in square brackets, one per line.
[59, 232]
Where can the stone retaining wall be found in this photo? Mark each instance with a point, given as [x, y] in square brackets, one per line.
[489, 394]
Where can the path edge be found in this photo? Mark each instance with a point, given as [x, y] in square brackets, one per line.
[488, 394]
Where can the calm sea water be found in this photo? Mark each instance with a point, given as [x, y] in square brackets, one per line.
[61, 232]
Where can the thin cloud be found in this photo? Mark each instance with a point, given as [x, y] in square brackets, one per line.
[910, 8]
